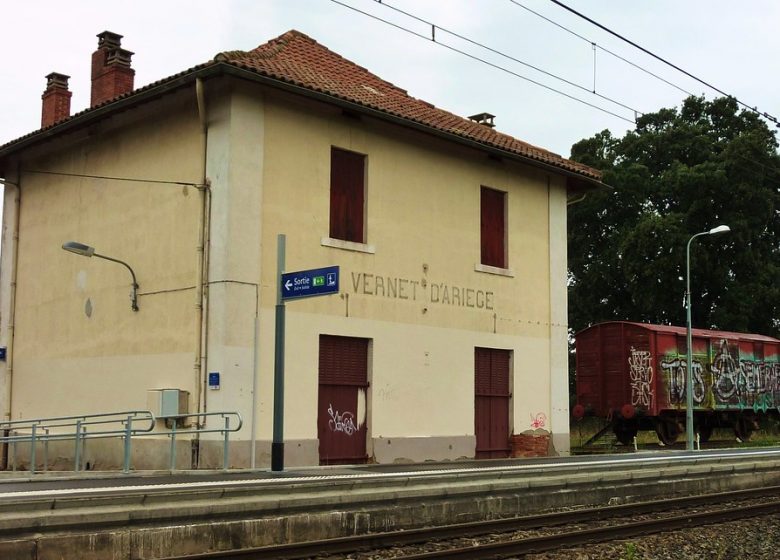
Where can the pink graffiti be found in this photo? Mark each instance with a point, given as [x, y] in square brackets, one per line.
[538, 421]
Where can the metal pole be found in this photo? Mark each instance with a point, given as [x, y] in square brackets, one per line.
[173, 446]
[688, 364]
[128, 429]
[46, 450]
[34, 428]
[255, 373]
[77, 458]
[226, 444]
[277, 445]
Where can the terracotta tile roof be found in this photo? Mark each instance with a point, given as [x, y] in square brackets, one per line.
[298, 59]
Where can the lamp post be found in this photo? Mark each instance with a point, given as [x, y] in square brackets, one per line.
[689, 361]
[87, 251]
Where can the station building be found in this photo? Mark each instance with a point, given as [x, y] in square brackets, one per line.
[447, 339]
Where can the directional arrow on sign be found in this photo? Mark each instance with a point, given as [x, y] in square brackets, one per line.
[310, 283]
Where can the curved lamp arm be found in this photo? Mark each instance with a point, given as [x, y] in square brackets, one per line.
[87, 251]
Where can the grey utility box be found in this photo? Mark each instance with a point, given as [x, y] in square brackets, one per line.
[164, 403]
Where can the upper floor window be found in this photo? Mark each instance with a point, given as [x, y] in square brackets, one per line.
[347, 195]
[493, 227]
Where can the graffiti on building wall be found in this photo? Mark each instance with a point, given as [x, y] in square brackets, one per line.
[726, 380]
[538, 421]
[344, 422]
[641, 372]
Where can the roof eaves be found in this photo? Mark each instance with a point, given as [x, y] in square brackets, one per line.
[241, 71]
[118, 104]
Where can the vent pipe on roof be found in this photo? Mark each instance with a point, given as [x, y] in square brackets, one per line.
[56, 99]
[112, 75]
[484, 119]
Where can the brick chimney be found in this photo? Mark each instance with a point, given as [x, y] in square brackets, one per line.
[56, 99]
[111, 72]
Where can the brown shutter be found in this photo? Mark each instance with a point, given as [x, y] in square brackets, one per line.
[493, 227]
[347, 195]
[491, 402]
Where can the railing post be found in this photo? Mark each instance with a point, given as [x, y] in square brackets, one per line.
[13, 454]
[128, 434]
[46, 450]
[226, 444]
[173, 446]
[77, 458]
[33, 429]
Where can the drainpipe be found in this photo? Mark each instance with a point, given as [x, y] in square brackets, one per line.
[201, 328]
[10, 218]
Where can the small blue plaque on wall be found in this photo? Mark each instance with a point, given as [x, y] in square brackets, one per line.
[2, 353]
[214, 380]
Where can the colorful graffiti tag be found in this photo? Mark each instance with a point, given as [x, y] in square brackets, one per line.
[641, 372]
[726, 381]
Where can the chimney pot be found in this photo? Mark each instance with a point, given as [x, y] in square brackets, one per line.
[112, 74]
[56, 99]
[485, 119]
[109, 40]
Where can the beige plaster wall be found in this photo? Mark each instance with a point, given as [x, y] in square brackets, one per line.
[422, 233]
[268, 160]
[78, 346]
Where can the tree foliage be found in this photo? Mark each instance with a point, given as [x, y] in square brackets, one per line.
[681, 172]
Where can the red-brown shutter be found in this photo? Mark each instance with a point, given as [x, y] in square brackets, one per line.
[343, 374]
[493, 227]
[347, 195]
[491, 402]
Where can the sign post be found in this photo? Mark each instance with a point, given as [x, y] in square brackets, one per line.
[292, 285]
[277, 445]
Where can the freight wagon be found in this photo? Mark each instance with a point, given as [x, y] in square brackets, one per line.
[634, 376]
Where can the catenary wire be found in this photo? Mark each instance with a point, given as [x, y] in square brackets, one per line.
[599, 47]
[644, 50]
[483, 61]
[504, 55]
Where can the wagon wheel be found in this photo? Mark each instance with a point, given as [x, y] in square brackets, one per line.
[667, 431]
[743, 428]
[624, 433]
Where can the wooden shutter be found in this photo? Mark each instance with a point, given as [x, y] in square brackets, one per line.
[343, 377]
[493, 227]
[491, 402]
[347, 195]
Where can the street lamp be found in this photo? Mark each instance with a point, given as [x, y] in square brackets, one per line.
[87, 251]
[689, 364]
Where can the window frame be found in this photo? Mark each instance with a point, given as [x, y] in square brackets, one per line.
[347, 230]
[500, 265]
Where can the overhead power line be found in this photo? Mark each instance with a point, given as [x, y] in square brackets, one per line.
[599, 47]
[432, 38]
[644, 50]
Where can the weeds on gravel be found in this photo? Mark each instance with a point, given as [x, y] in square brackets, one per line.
[630, 551]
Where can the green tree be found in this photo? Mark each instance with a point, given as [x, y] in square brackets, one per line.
[682, 171]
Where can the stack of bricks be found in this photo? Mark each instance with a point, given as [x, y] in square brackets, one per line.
[530, 444]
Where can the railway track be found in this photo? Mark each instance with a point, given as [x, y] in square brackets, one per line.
[510, 537]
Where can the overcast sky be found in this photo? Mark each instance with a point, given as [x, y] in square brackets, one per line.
[732, 45]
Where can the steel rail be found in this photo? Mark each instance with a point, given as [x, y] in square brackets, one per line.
[570, 539]
[355, 543]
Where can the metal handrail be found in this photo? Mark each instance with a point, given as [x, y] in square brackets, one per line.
[44, 430]
[40, 430]
[225, 431]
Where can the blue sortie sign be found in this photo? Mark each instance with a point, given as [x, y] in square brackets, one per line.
[310, 283]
